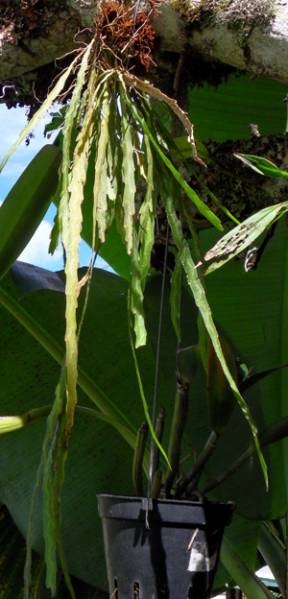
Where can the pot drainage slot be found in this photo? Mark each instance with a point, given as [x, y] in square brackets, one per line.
[136, 590]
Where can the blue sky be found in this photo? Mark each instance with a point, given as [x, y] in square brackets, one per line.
[12, 122]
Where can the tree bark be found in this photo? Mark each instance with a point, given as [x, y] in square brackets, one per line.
[263, 52]
[18, 59]
[238, 41]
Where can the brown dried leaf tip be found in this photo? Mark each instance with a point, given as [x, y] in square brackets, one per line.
[125, 34]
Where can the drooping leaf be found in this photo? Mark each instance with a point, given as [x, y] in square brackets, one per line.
[70, 124]
[203, 342]
[113, 151]
[100, 201]
[256, 342]
[71, 232]
[200, 205]
[147, 217]
[136, 296]
[51, 500]
[198, 292]
[128, 176]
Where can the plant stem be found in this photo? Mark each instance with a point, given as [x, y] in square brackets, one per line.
[38, 413]
[192, 478]
[177, 429]
[155, 454]
[139, 453]
[156, 484]
[275, 433]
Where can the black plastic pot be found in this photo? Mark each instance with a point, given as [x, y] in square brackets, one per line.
[175, 558]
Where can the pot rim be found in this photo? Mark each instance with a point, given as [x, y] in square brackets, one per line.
[190, 513]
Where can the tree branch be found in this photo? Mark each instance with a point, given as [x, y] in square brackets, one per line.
[243, 43]
[237, 35]
[21, 56]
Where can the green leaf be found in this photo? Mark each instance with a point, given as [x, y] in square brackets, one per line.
[273, 551]
[11, 423]
[70, 123]
[242, 236]
[53, 457]
[57, 121]
[200, 205]
[262, 166]
[128, 176]
[71, 217]
[256, 342]
[55, 350]
[254, 377]
[26, 204]
[200, 298]
[225, 111]
[248, 582]
[136, 297]
[147, 217]
[101, 179]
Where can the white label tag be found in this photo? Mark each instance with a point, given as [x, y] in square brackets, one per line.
[199, 562]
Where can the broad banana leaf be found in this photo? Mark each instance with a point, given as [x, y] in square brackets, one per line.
[225, 111]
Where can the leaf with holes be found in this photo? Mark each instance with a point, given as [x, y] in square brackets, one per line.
[242, 236]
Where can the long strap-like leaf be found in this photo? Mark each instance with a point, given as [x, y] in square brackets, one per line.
[201, 301]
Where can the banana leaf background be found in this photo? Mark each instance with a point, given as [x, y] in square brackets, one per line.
[249, 308]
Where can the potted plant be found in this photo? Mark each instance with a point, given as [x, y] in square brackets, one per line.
[140, 186]
[165, 541]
